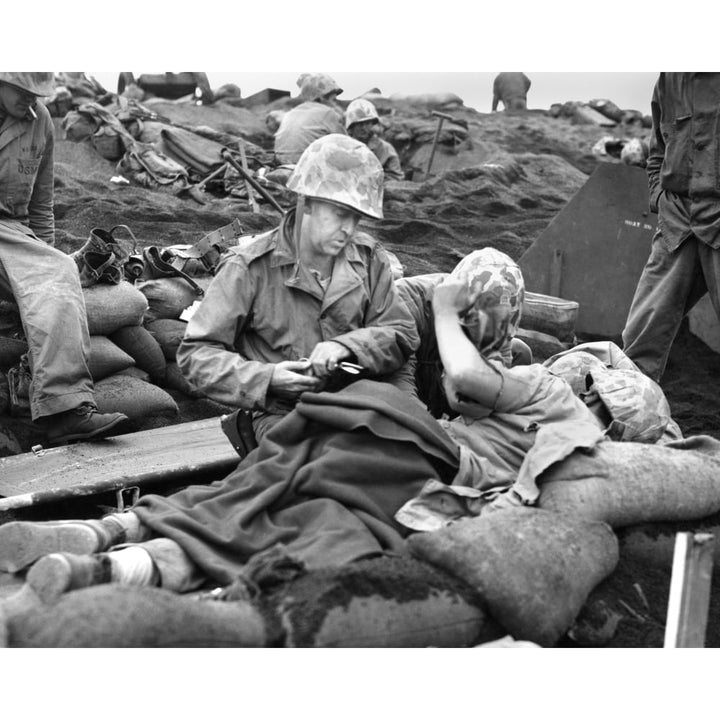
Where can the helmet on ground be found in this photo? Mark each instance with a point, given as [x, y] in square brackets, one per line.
[314, 86]
[574, 367]
[360, 110]
[341, 170]
[499, 281]
[41, 84]
[636, 403]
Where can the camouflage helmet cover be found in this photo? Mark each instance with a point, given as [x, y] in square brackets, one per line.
[637, 404]
[574, 367]
[314, 86]
[501, 287]
[41, 84]
[341, 170]
[360, 110]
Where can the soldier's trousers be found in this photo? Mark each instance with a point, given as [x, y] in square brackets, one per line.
[670, 284]
[45, 284]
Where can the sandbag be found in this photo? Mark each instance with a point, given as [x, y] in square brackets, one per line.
[175, 380]
[380, 602]
[106, 358]
[121, 616]
[143, 348]
[110, 307]
[168, 297]
[135, 398]
[550, 315]
[534, 568]
[626, 483]
[136, 372]
[168, 333]
[11, 350]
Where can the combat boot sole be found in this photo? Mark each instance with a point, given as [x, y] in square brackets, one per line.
[22, 543]
[54, 575]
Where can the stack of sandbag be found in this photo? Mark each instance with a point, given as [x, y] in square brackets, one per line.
[168, 298]
[127, 364]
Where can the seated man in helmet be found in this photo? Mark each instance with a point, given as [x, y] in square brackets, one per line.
[287, 306]
[43, 281]
[316, 116]
[363, 123]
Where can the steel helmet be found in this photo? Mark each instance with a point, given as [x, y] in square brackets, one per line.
[41, 84]
[636, 403]
[341, 170]
[360, 110]
[314, 86]
[502, 291]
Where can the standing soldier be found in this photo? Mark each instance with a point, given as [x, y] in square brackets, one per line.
[684, 179]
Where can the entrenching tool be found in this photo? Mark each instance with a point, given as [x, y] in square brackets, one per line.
[441, 118]
[227, 155]
[197, 191]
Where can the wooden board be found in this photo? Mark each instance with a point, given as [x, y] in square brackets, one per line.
[163, 454]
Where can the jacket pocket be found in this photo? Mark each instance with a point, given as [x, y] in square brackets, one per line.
[676, 168]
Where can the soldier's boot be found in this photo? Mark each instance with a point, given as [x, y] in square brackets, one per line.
[22, 542]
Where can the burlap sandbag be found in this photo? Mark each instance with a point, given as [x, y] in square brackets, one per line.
[110, 307]
[625, 483]
[168, 333]
[380, 602]
[106, 358]
[534, 568]
[143, 348]
[135, 398]
[119, 616]
[168, 297]
[175, 380]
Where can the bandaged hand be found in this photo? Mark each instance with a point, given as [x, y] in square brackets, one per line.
[325, 357]
[291, 378]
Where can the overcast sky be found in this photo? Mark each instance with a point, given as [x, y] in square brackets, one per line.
[628, 90]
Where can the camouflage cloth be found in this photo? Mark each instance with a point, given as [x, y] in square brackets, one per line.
[574, 368]
[360, 110]
[638, 407]
[601, 371]
[342, 170]
[314, 86]
[493, 320]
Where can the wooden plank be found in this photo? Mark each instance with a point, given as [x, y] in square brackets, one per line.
[161, 454]
[689, 590]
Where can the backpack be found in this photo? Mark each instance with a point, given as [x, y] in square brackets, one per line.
[143, 165]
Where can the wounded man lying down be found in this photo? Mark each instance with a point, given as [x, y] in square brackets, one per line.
[327, 481]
